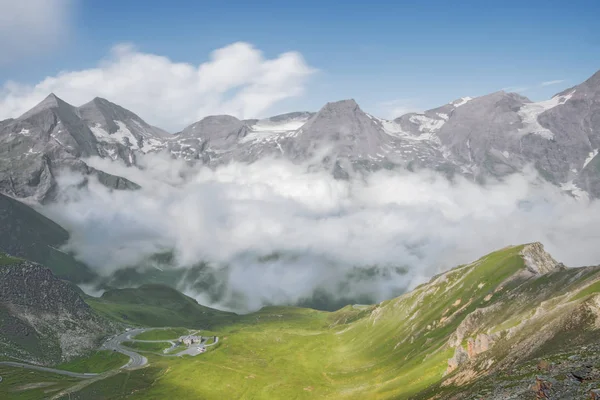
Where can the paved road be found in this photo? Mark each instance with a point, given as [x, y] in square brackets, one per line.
[114, 343]
[46, 369]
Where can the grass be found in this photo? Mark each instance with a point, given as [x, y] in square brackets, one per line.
[163, 334]
[26, 233]
[121, 385]
[25, 384]
[287, 352]
[98, 362]
[156, 347]
[157, 305]
[591, 289]
[5, 259]
[397, 349]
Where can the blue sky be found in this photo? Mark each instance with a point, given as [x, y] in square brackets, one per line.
[404, 54]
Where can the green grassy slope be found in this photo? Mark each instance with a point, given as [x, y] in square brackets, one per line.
[162, 334]
[157, 305]
[5, 259]
[97, 362]
[398, 349]
[24, 384]
[28, 234]
[156, 347]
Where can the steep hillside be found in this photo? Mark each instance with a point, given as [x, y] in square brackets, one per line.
[500, 311]
[157, 305]
[27, 234]
[43, 320]
[36, 146]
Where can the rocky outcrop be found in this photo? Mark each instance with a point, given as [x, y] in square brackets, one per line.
[537, 260]
[44, 320]
[460, 357]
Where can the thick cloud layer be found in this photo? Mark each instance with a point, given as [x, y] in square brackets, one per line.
[32, 26]
[275, 233]
[236, 80]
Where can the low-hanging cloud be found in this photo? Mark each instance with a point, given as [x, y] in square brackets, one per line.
[237, 80]
[370, 237]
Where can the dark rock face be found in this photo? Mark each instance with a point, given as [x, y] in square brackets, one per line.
[27, 284]
[26, 233]
[44, 320]
[37, 145]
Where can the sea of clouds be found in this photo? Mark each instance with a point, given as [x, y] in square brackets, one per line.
[368, 238]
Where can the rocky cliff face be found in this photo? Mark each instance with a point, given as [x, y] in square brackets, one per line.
[43, 141]
[43, 319]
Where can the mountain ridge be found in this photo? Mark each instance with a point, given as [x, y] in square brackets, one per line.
[489, 136]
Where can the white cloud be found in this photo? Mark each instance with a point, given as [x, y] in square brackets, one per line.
[32, 26]
[555, 82]
[236, 80]
[331, 232]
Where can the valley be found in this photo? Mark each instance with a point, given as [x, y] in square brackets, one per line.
[498, 324]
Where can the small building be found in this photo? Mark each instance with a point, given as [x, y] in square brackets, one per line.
[189, 340]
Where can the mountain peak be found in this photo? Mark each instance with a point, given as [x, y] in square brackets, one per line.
[537, 260]
[219, 119]
[214, 127]
[51, 102]
[101, 100]
[340, 106]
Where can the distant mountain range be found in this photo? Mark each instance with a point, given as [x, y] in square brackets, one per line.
[488, 136]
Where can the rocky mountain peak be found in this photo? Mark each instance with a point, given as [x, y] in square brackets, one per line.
[342, 107]
[291, 116]
[103, 113]
[51, 102]
[537, 260]
[214, 127]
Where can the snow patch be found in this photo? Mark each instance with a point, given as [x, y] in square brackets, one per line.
[529, 114]
[266, 130]
[122, 136]
[391, 127]
[577, 192]
[591, 156]
[461, 102]
[151, 145]
[506, 154]
[266, 125]
[24, 132]
[427, 124]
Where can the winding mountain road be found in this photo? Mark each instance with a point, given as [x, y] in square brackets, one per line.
[114, 344]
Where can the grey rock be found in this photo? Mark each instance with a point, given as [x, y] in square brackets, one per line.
[488, 136]
[44, 319]
[120, 132]
[37, 145]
